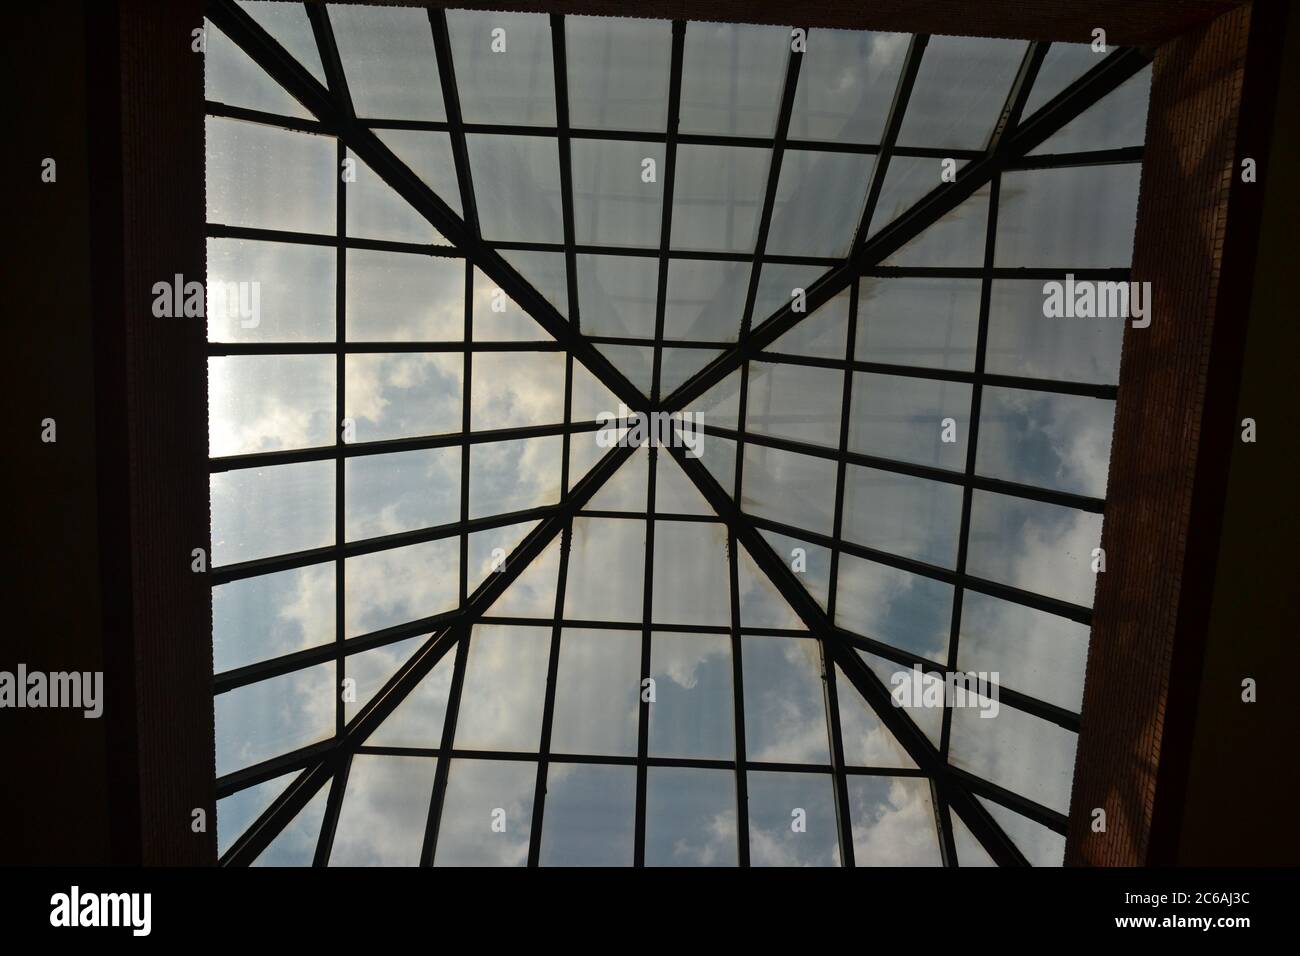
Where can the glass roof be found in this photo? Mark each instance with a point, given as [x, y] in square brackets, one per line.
[458, 621]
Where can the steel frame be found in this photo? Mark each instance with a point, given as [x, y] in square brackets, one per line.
[329, 761]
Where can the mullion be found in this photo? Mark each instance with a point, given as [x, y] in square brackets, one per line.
[738, 704]
[666, 213]
[830, 697]
[560, 70]
[643, 706]
[652, 252]
[219, 230]
[333, 806]
[455, 124]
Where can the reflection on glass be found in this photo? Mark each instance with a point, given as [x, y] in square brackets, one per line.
[597, 692]
[792, 820]
[384, 811]
[785, 712]
[505, 688]
[690, 817]
[692, 714]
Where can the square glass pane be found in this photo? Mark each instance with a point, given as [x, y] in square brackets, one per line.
[499, 318]
[505, 688]
[932, 323]
[1041, 846]
[618, 72]
[732, 78]
[693, 712]
[597, 693]
[823, 334]
[785, 709]
[846, 85]
[693, 591]
[960, 90]
[1046, 439]
[1038, 547]
[777, 283]
[1023, 341]
[705, 300]
[270, 291]
[403, 491]
[606, 578]
[255, 619]
[404, 394]
[792, 820]
[260, 403]
[516, 187]
[617, 192]
[385, 588]
[389, 61]
[296, 843]
[893, 822]
[1116, 121]
[288, 23]
[904, 515]
[517, 475]
[515, 389]
[259, 721]
[427, 154]
[819, 201]
[487, 813]
[799, 402]
[1076, 217]
[231, 76]
[928, 718]
[907, 180]
[546, 272]
[504, 67]
[797, 490]
[375, 210]
[955, 241]
[906, 610]
[1012, 749]
[260, 512]
[718, 197]
[269, 178]
[590, 815]
[384, 811]
[690, 817]
[397, 297]
[618, 294]
[908, 419]
[1064, 63]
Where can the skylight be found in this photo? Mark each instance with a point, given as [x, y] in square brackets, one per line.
[453, 626]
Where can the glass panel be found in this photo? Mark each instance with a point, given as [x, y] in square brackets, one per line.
[732, 78]
[260, 403]
[969, 850]
[1041, 846]
[928, 718]
[824, 333]
[230, 76]
[904, 418]
[259, 721]
[597, 693]
[1064, 63]
[613, 203]
[960, 91]
[403, 395]
[547, 273]
[270, 291]
[955, 241]
[417, 721]
[797, 490]
[721, 462]
[893, 822]
[404, 491]
[516, 389]
[590, 816]
[677, 366]
[505, 688]
[634, 361]
[721, 405]
[690, 817]
[846, 85]
[693, 591]
[1022, 341]
[693, 711]
[897, 607]
[384, 811]
[1031, 651]
[1080, 217]
[516, 187]
[590, 397]
[1046, 439]
[819, 201]
[269, 178]
[404, 584]
[606, 570]
[377, 211]
[389, 61]
[487, 814]
[792, 820]
[499, 318]
[811, 563]
[490, 551]
[674, 492]
[907, 179]
[236, 813]
[1014, 750]
[705, 300]
[618, 72]
[867, 741]
[514, 475]
[1119, 119]
[395, 297]
[259, 512]
[761, 604]
[370, 670]
[255, 619]
[911, 517]
[926, 322]
[628, 489]
[776, 284]
[785, 712]
[799, 402]
[618, 294]
[296, 843]
[1046, 549]
[718, 197]
[504, 68]
[288, 23]
[532, 594]
[429, 156]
